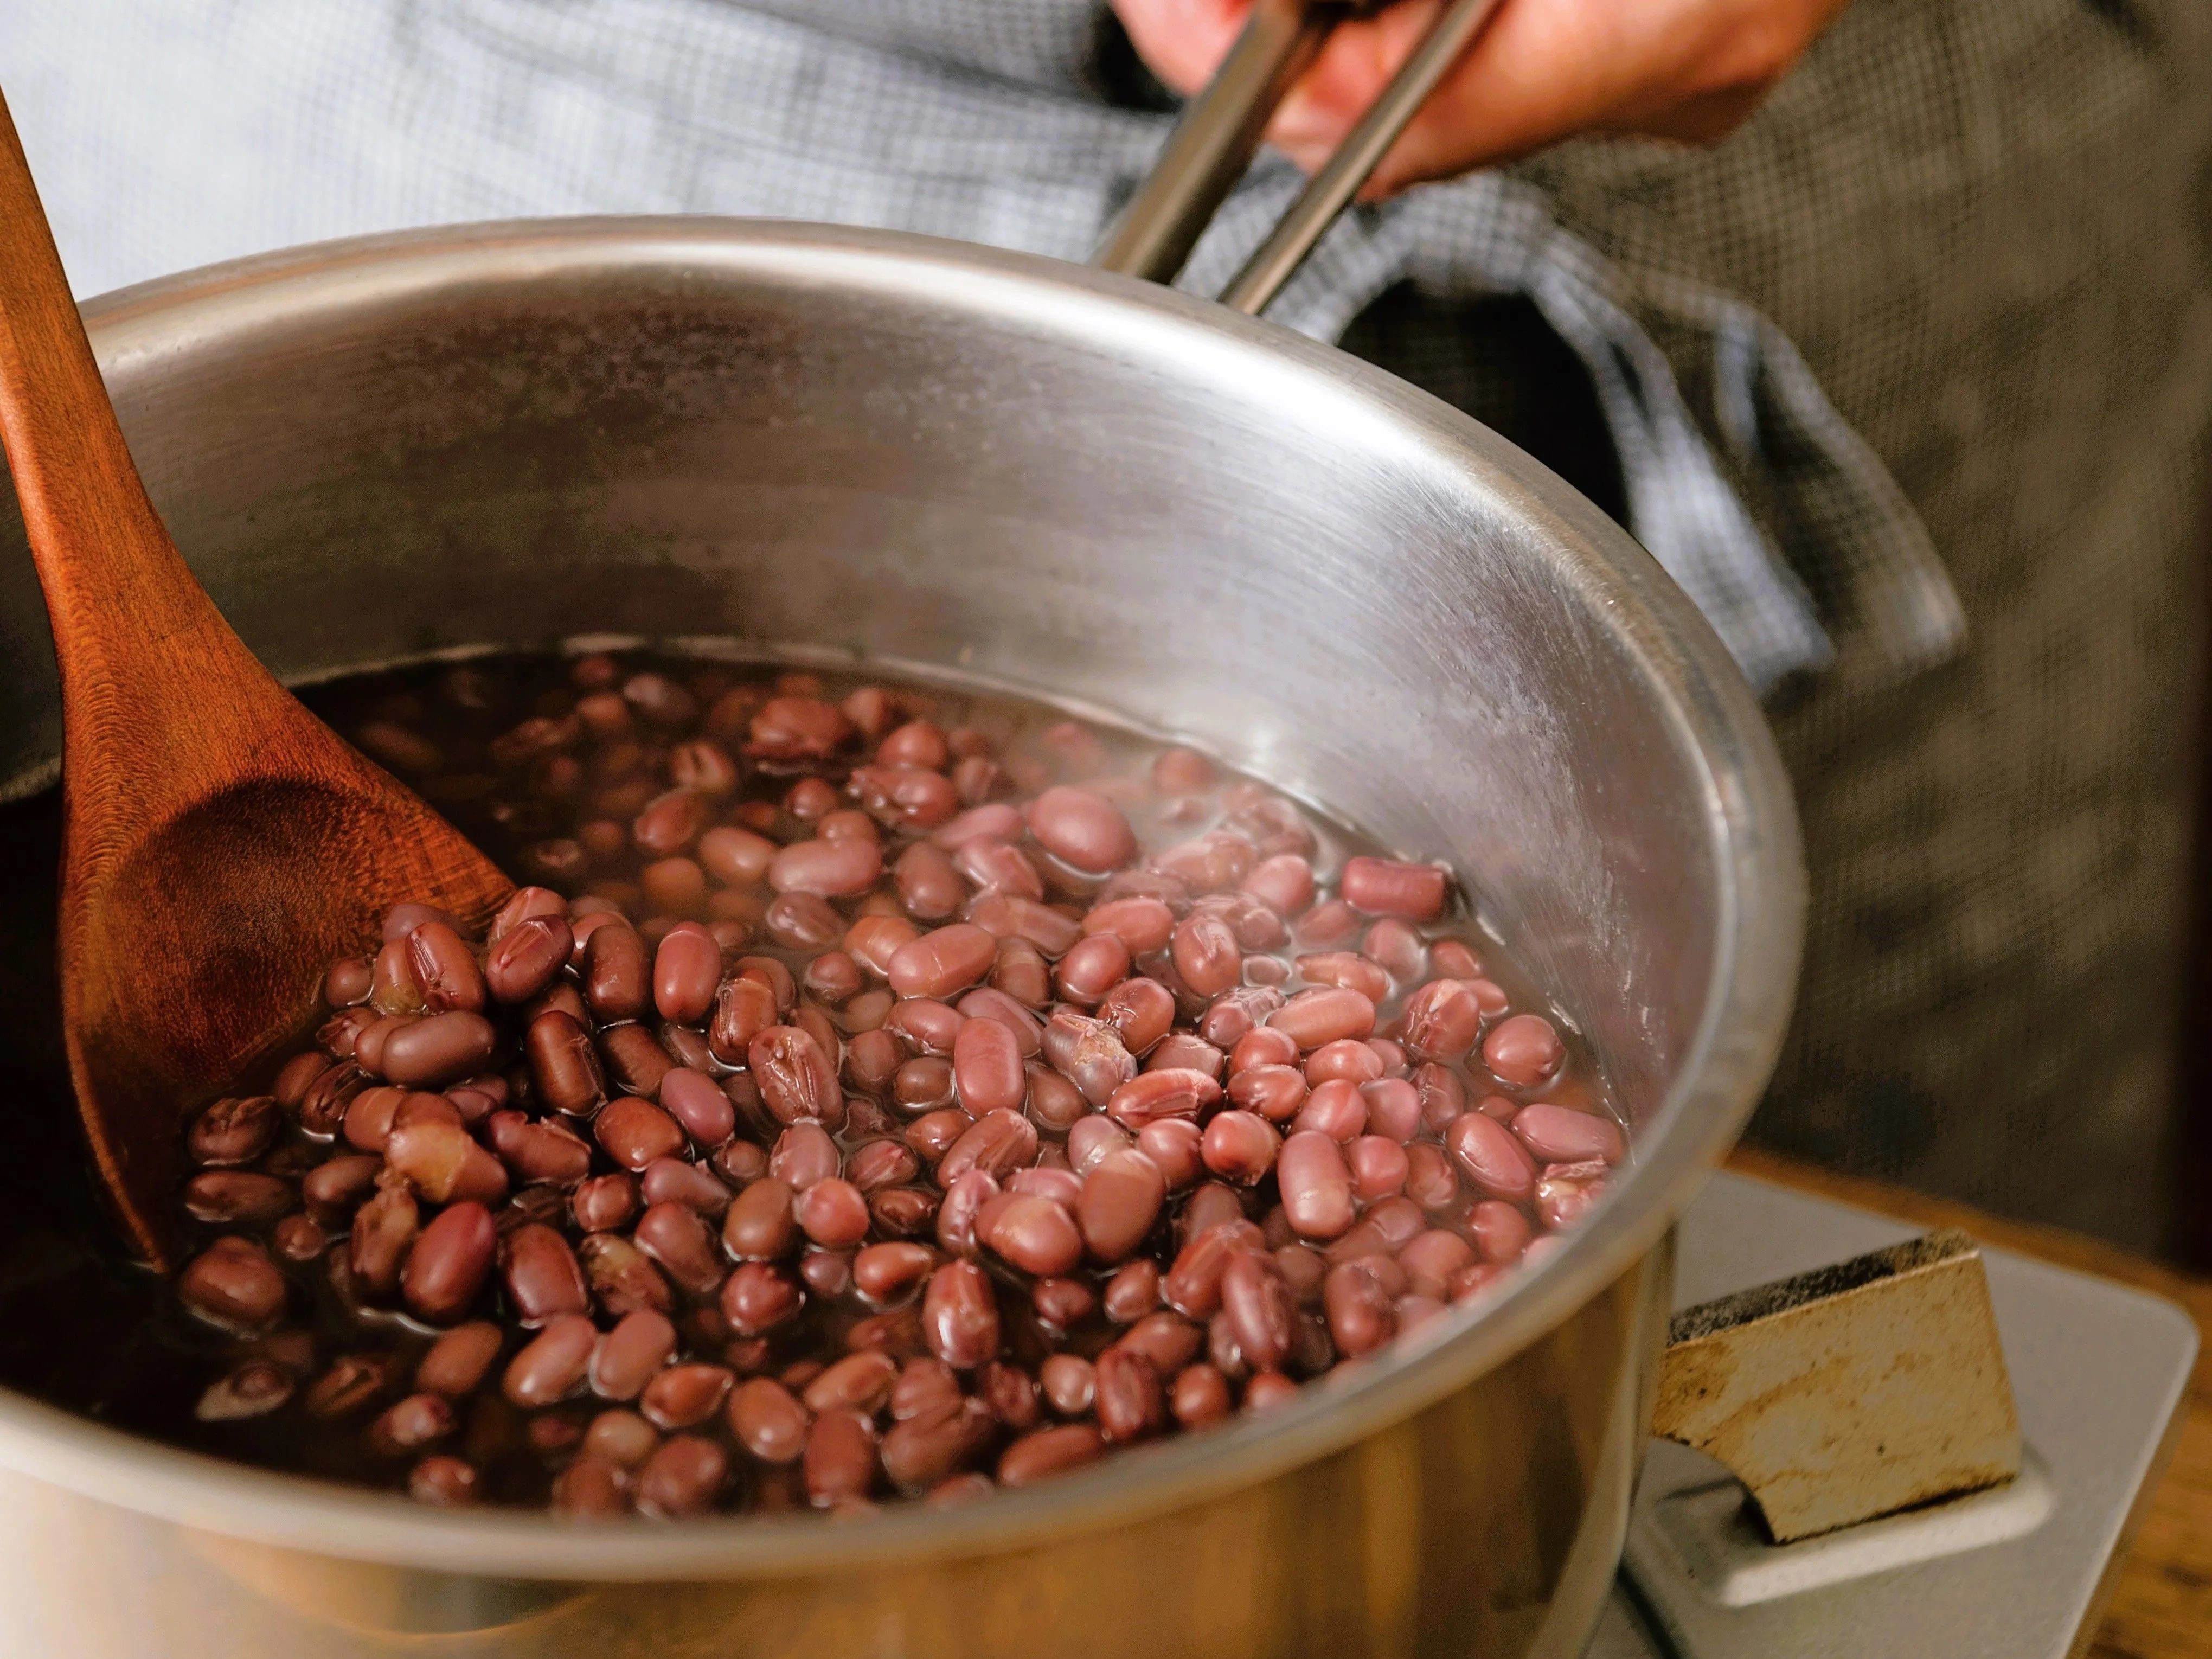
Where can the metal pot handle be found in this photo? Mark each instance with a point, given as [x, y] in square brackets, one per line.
[1214, 142]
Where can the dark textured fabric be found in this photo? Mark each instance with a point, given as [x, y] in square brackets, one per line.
[1989, 229]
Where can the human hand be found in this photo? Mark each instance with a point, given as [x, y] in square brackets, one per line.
[1541, 70]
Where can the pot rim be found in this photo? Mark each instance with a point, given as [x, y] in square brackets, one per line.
[1749, 808]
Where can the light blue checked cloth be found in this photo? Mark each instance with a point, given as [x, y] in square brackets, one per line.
[170, 133]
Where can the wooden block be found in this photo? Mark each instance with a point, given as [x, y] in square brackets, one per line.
[1850, 1392]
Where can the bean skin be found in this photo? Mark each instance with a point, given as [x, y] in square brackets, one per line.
[384, 1229]
[993, 865]
[332, 1188]
[1500, 1230]
[942, 962]
[998, 1144]
[1142, 924]
[1198, 1396]
[860, 1382]
[1560, 1135]
[1335, 1108]
[631, 1354]
[616, 973]
[233, 1284]
[885, 1273]
[1067, 1382]
[1260, 1307]
[1192, 1285]
[826, 869]
[1127, 1397]
[797, 1080]
[636, 1060]
[1062, 1185]
[544, 1279]
[563, 1065]
[1142, 1011]
[986, 1002]
[680, 1242]
[987, 1068]
[1316, 1186]
[417, 1421]
[1343, 1061]
[684, 1396]
[840, 1463]
[623, 1278]
[832, 1213]
[443, 1164]
[1523, 1051]
[634, 1133]
[1088, 1054]
[1239, 1146]
[237, 1197]
[1061, 1305]
[928, 883]
[1178, 1147]
[445, 968]
[1091, 967]
[1131, 1292]
[1380, 887]
[960, 1316]
[1314, 1018]
[1360, 1319]
[440, 1049]
[526, 959]
[768, 1422]
[1168, 1339]
[1565, 1193]
[1394, 1108]
[459, 1361]
[449, 1263]
[687, 965]
[923, 1449]
[701, 1108]
[1175, 1091]
[1120, 1201]
[1274, 1092]
[1206, 954]
[758, 1298]
[620, 1437]
[1083, 829]
[736, 857]
[295, 1077]
[1487, 1153]
[803, 1155]
[552, 1366]
[235, 1130]
[682, 1478]
[1048, 1452]
[1034, 1234]
[1182, 1052]
[1091, 1138]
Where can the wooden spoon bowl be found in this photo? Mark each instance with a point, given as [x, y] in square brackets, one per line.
[220, 845]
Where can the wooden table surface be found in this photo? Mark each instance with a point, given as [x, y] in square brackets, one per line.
[2161, 1603]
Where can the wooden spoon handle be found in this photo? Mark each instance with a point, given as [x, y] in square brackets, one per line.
[121, 599]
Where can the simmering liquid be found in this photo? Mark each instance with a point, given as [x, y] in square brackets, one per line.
[877, 1091]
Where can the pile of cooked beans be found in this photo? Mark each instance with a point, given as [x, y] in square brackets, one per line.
[874, 1091]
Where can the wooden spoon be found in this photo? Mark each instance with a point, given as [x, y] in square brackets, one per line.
[220, 845]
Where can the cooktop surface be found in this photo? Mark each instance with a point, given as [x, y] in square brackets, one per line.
[2098, 1372]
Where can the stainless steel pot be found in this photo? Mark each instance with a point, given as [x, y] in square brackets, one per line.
[871, 447]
